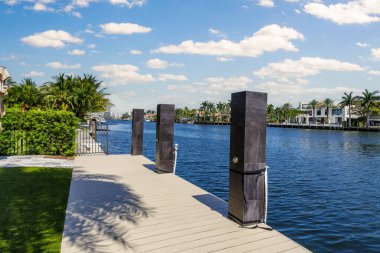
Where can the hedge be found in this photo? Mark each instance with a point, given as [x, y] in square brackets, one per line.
[38, 132]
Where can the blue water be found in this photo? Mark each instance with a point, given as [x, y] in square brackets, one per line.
[324, 186]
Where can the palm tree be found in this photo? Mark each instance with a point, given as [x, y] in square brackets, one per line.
[286, 108]
[204, 108]
[80, 95]
[221, 109]
[59, 93]
[367, 101]
[328, 102]
[270, 111]
[313, 103]
[27, 95]
[347, 100]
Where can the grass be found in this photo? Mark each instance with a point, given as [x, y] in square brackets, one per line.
[32, 208]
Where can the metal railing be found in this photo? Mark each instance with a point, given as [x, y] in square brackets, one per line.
[92, 139]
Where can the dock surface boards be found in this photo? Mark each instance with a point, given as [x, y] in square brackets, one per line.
[117, 203]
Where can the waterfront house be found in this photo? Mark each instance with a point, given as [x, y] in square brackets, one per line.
[320, 115]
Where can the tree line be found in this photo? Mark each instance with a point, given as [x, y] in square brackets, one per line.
[364, 106]
[78, 94]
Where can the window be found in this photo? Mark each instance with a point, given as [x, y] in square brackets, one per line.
[336, 112]
[319, 112]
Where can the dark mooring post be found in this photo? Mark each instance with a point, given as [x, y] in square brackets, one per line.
[165, 138]
[246, 203]
[137, 131]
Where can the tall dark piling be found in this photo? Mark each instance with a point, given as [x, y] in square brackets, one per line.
[246, 204]
[165, 138]
[137, 131]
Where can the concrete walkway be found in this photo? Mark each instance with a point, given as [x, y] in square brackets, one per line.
[34, 161]
[118, 204]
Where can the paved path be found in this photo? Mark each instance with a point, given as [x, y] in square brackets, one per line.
[34, 161]
[118, 204]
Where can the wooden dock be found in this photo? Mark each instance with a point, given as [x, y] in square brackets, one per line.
[118, 203]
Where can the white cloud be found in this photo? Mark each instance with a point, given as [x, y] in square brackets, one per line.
[124, 28]
[352, 12]
[91, 46]
[360, 44]
[128, 3]
[11, 2]
[122, 74]
[59, 65]
[215, 85]
[213, 31]
[306, 66]
[280, 92]
[41, 7]
[284, 89]
[171, 77]
[224, 59]
[266, 3]
[374, 72]
[157, 64]
[76, 52]
[376, 53]
[135, 52]
[51, 38]
[217, 33]
[34, 74]
[268, 39]
[81, 3]
[127, 95]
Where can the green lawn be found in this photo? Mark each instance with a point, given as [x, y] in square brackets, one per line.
[32, 208]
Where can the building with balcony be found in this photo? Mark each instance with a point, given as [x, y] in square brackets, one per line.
[334, 116]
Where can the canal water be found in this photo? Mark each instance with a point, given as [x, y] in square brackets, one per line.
[324, 186]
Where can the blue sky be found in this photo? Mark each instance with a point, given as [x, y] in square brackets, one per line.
[183, 52]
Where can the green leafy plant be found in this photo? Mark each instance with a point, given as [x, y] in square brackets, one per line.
[37, 132]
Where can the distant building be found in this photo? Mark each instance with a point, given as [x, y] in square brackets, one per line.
[4, 77]
[322, 116]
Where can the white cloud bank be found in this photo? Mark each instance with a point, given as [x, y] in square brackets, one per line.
[215, 85]
[157, 64]
[376, 53]
[135, 52]
[268, 39]
[77, 52]
[122, 74]
[124, 28]
[171, 77]
[352, 12]
[128, 3]
[51, 38]
[306, 66]
[60, 65]
[34, 74]
[266, 3]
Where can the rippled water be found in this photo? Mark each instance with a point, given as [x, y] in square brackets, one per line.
[324, 186]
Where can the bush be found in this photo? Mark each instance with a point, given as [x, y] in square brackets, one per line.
[38, 133]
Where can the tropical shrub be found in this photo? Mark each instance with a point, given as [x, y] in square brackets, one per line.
[37, 132]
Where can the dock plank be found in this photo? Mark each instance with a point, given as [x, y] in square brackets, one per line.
[118, 204]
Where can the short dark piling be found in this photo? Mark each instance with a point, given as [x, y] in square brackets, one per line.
[246, 204]
[137, 131]
[165, 138]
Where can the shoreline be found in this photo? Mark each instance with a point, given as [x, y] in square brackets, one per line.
[317, 127]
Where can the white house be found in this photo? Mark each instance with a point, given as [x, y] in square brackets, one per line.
[321, 115]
